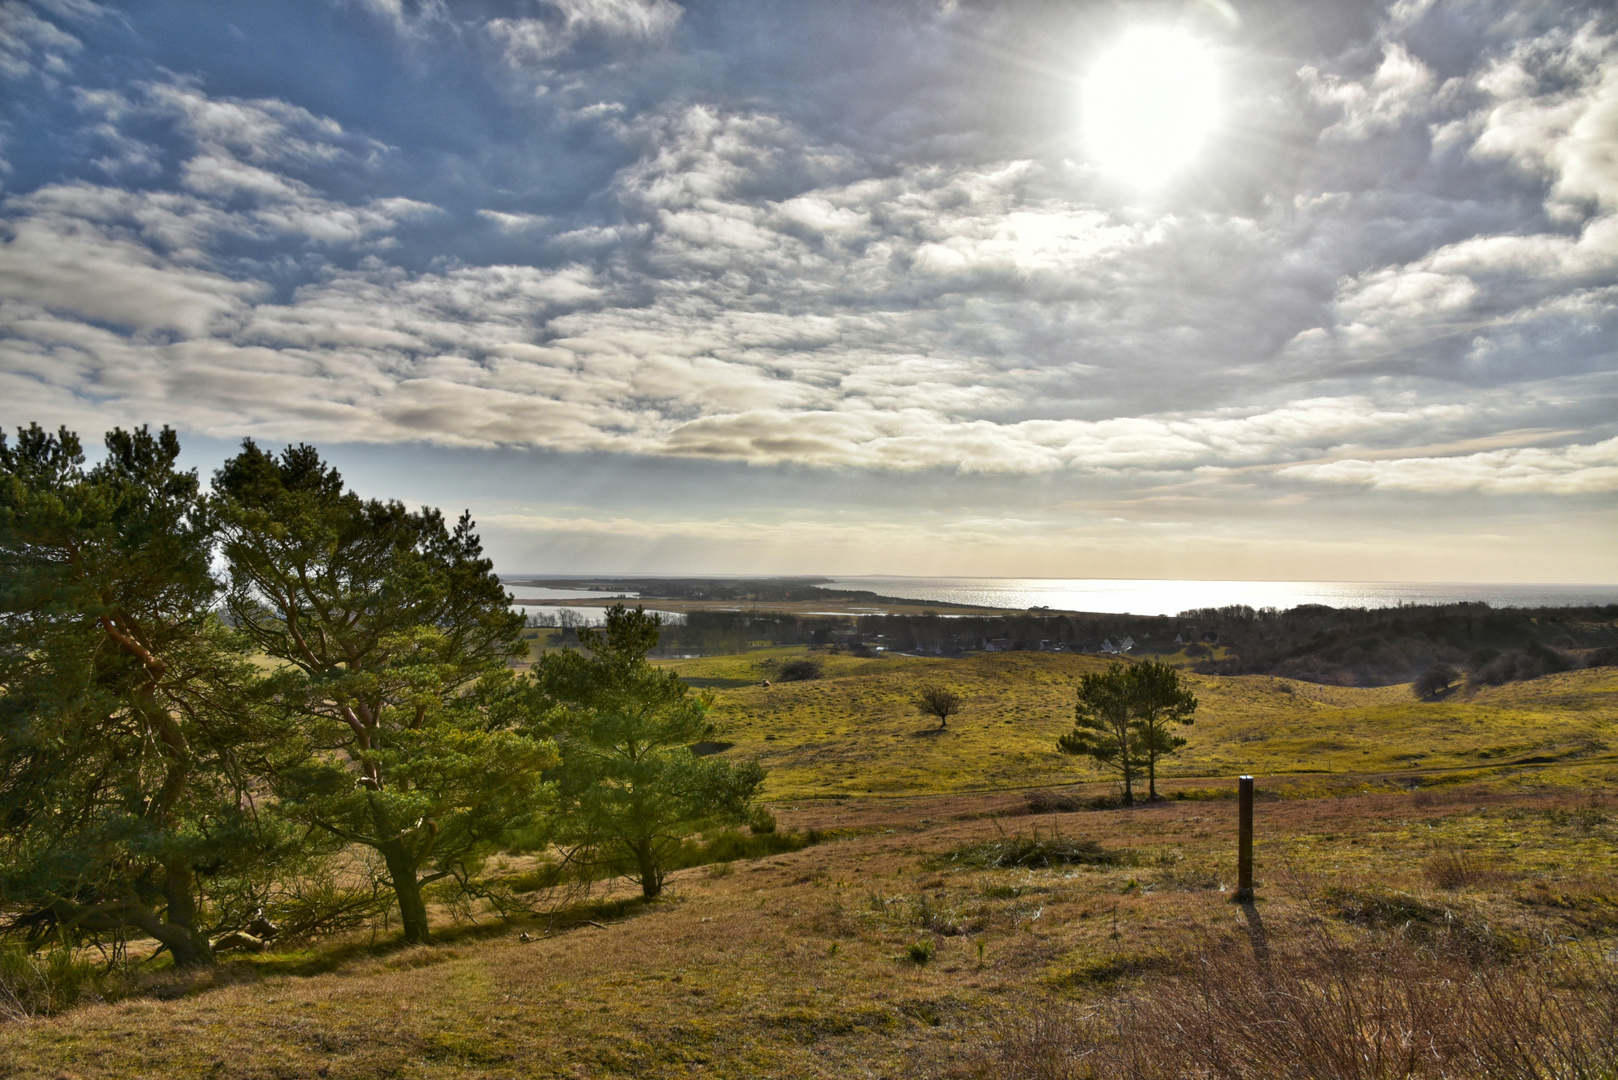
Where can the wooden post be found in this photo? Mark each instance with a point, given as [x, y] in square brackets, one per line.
[1244, 842]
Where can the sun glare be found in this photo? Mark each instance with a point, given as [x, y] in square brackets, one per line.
[1150, 102]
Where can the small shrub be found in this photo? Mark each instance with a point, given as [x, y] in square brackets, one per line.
[800, 670]
[319, 908]
[1421, 922]
[919, 952]
[761, 821]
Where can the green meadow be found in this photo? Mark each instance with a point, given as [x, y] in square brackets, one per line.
[855, 730]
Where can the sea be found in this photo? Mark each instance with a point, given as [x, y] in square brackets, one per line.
[1143, 596]
[1170, 597]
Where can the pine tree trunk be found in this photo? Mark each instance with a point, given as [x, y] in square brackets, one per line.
[188, 944]
[412, 908]
[178, 931]
[651, 882]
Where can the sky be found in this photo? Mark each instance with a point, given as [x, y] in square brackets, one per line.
[1291, 289]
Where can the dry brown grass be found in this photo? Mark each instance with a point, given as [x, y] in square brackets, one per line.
[1322, 1008]
[1459, 870]
[798, 965]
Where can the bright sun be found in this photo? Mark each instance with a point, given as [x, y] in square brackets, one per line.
[1150, 102]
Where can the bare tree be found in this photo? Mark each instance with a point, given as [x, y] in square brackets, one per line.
[939, 701]
[1435, 682]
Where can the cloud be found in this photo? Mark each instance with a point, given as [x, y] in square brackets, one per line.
[31, 44]
[1568, 470]
[738, 278]
[529, 41]
[71, 266]
[1400, 89]
[1554, 113]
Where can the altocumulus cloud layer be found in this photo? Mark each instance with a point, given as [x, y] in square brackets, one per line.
[857, 251]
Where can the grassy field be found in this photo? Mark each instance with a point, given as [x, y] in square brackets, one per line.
[891, 950]
[855, 731]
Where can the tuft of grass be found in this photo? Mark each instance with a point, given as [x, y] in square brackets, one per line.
[920, 952]
[32, 985]
[935, 916]
[1458, 870]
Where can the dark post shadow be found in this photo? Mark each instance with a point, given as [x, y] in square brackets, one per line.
[1253, 924]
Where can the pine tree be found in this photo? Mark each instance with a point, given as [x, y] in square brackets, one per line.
[1157, 702]
[630, 789]
[130, 726]
[1104, 728]
[395, 635]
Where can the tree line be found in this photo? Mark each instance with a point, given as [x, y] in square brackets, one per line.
[208, 693]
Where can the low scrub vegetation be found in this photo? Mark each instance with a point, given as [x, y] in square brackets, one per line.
[731, 844]
[1312, 1006]
[1032, 852]
[1491, 667]
[800, 670]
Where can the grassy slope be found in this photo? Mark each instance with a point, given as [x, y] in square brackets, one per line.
[855, 731]
[793, 966]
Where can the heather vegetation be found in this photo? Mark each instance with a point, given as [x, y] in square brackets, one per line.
[288, 791]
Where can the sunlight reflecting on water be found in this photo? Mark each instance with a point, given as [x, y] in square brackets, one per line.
[1158, 597]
